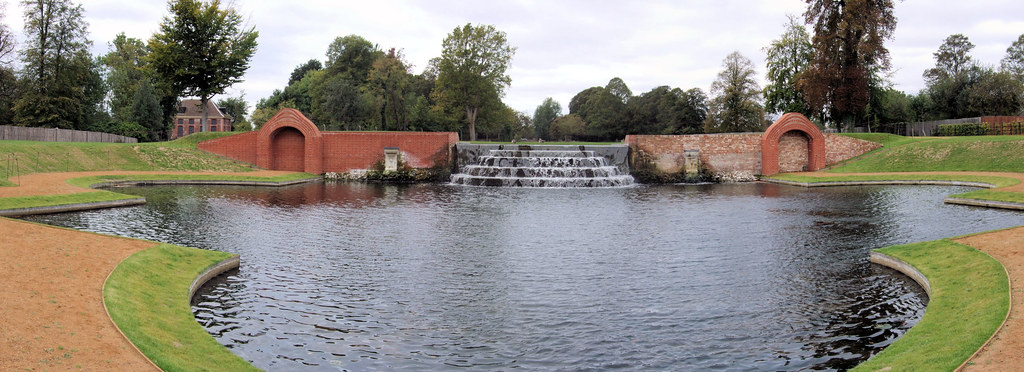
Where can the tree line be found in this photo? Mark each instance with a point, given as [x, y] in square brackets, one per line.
[359, 86]
[200, 50]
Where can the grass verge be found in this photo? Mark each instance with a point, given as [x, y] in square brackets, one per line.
[20, 202]
[946, 154]
[986, 194]
[147, 297]
[969, 301]
[93, 180]
[27, 157]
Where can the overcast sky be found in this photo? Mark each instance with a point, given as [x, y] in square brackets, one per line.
[565, 46]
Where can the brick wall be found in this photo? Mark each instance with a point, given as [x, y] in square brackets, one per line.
[740, 153]
[342, 151]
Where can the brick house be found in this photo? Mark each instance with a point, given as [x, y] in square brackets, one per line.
[189, 118]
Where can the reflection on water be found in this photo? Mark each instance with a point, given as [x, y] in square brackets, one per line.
[429, 277]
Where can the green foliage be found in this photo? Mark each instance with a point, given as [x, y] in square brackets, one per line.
[61, 88]
[301, 70]
[147, 297]
[603, 113]
[736, 102]
[472, 70]
[146, 113]
[238, 109]
[786, 58]
[1013, 62]
[567, 128]
[200, 50]
[964, 129]
[389, 80]
[351, 57]
[126, 71]
[951, 60]
[665, 110]
[544, 115]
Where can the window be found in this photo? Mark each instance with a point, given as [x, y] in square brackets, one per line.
[181, 129]
[213, 121]
[191, 129]
[213, 128]
[181, 121]
[191, 121]
[181, 109]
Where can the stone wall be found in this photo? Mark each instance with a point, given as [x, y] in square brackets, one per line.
[738, 155]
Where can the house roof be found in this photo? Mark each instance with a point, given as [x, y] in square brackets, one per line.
[192, 109]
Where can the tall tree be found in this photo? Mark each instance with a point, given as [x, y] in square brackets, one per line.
[126, 71]
[201, 50]
[351, 57]
[849, 46]
[787, 57]
[472, 69]
[603, 112]
[953, 59]
[57, 66]
[7, 39]
[736, 102]
[1014, 60]
[145, 110]
[543, 115]
[389, 80]
[301, 70]
[238, 109]
[618, 88]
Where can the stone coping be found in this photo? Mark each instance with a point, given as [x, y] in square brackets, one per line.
[18, 212]
[903, 267]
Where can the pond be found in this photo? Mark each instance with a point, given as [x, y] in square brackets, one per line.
[753, 276]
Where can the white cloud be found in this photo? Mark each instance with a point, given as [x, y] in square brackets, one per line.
[566, 46]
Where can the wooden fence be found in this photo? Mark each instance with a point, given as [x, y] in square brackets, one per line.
[8, 132]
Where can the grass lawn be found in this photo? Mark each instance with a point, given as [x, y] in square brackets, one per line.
[947, 154]
[177, 155]
[65, 199]
[147, 297]
[969, 300]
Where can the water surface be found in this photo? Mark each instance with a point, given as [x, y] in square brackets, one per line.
[433, 277]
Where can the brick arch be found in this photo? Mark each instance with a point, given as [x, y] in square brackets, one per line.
[788, 123]
[279, 133]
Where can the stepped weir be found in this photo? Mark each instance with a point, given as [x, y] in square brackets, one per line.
[542, 166]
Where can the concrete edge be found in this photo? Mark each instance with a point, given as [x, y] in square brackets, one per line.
[203, 182]
[890, 182]
[219, 268]
[903, 267]
[71, 207]
[984, 203]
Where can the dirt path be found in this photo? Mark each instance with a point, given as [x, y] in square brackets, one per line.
[51, 289]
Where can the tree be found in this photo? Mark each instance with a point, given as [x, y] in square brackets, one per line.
[201, 50]
[849, 46]
[994, 93]
[1014, 60]
[301, 70]
[544, 115]
[238, 109]
[568, 127]
[146, 112]
[736, 103]
[126, 71]
[352, 57]
[787, 57]
[604, 113]
[7, 39]
[389, 80]
[618, 88]
[472, 69]
[61, 84]
[952, 60]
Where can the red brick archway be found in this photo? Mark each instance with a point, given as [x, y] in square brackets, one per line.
[289, 141]
[788, 123]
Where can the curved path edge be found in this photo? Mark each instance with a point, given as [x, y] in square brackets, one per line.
[1002, 348]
